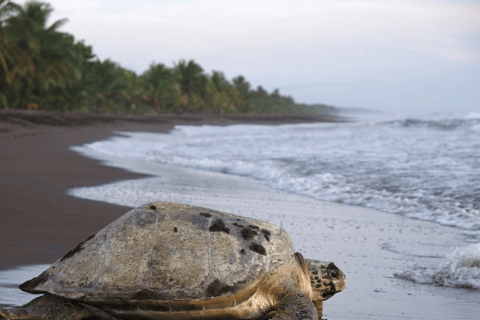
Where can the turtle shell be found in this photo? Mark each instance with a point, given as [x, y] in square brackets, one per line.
[168, 251]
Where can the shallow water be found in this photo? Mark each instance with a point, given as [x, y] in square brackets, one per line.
[10, 295]
[368, 245]
[422, 168]
[427, 169]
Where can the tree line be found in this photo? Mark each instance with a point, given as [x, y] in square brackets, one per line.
[43, 68]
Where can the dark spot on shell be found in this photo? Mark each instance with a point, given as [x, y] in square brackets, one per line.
[175, 229]
[316, 278]
[243, 251]
[77, 249]
[266, 232]
[146, 294]
[219, 225]
[258, 249]
[318, 285]
[29, 286]
[315, 272]
[248, 233]
[218, 288]
[238, 225]
[153, 207]
[253, 227]
[205, 214]
[323, 267]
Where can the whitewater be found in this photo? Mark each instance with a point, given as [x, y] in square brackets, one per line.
[425, 168]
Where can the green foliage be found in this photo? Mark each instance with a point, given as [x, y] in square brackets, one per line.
[41, 67]
[161, 89]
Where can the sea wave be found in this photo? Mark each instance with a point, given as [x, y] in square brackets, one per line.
[468, 122]
[462, 270]
[409, 167]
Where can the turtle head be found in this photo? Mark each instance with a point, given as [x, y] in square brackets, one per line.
[326, 279]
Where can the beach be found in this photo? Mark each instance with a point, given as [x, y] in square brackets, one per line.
[40, 222]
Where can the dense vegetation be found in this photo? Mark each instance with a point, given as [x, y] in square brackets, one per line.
[43, 68]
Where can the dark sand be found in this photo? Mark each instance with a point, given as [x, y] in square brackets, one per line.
[38, 221]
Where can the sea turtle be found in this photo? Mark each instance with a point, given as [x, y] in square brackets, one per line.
[175, 261]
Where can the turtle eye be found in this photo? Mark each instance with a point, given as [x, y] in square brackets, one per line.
[334, 273]
[333, 270]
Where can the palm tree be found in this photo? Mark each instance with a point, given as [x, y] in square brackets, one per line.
[243, 88]
[242, 85]
[219, 81]
[191, 77]
[106, 82]
[158, 81]
[193, 84]
[76, 93]
[51, 51]
[13, 61]
[222, 97]
[7, 8]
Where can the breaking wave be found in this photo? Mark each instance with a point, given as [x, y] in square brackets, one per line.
[462, 270]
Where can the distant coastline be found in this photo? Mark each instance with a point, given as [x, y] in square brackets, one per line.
[22, 122]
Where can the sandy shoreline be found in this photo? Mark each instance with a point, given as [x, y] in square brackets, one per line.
[40, 223]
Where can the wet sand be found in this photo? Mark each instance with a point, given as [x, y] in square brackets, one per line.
[40, 223]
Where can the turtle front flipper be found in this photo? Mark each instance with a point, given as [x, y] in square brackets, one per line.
[44, 308]
[319, 306]
[13, 314]
[295, 306]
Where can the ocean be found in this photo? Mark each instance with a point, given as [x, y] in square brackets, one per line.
[421, 168]
[425, 168]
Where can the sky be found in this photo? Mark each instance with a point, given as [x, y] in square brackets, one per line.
[400, 56]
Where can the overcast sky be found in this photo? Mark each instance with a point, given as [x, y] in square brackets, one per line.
[412, 56]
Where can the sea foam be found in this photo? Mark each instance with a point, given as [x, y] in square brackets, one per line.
[425, 169]
[462, 269]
